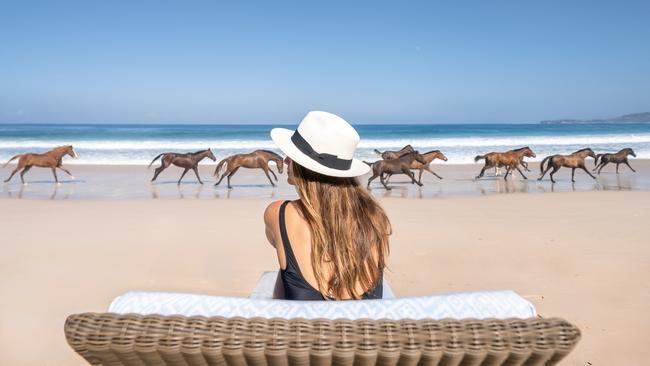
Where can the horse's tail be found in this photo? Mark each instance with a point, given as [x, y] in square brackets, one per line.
[377, 152]
[369, 163]
[479, 157]
[154, 159]
[596, 160]
[541, 165]
[13, 158]
[218, 168]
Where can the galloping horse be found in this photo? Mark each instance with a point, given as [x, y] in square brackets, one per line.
[497, 170]
[258, 159]
[52, 159]
[395, 154]
[428, 158]
[618, 158]
[395, 166]
[187, 161]
[573, 161]
[510, 159]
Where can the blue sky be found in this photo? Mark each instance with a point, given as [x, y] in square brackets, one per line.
[269, 62]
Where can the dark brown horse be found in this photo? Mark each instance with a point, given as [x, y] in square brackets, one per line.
[429, 157]
[52, 159]
[258, 159]
[187, 161]
[395, 154]
[574, 161]
[509, 159]
[401, 165]
[618, 158]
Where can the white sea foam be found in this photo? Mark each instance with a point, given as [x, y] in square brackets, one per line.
[387, 143]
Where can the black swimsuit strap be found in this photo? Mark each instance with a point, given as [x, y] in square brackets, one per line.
[288, 252]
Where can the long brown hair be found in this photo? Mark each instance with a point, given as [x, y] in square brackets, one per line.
[349, 232]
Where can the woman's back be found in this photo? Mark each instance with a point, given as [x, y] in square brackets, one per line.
[294, 255]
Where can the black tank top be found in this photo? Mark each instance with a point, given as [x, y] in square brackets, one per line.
[295, 285]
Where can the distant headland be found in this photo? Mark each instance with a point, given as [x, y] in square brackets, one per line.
[628, 118]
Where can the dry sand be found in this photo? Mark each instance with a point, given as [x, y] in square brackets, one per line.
[583, 256]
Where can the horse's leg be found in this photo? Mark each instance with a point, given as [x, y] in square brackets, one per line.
[409, 173]
[231, 174]
[266, 171]
[617, 167]
[159, 170]
[22, 174]
[12, 174]
[601, 167]
[497, 171]
[388, 176]
[628, 165]
[384, 183]
[573, 174]
[555, 169]
[525, 165]
[56, 179]
[371, 179]
[225, 174]
[522, 174]
[420, 175]
[66, 171]
[196, 172]
[182, 175]
[274, 176]
[432, 172]
[505, 177]
[587, 171]
[482, 171]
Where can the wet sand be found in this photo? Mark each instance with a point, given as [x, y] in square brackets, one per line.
[113, 182]
[583, 256]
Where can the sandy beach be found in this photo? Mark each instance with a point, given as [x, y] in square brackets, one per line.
[582, 256]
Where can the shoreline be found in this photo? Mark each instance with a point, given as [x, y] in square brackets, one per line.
[126, 182]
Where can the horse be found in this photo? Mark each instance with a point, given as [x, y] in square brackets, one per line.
[395, 166]
[618, 158]
[395, 154]
[510, 159]
[573, 161]
[187, 161]
[428, 158]
[497, 170]
[52, 159]
[258, 159]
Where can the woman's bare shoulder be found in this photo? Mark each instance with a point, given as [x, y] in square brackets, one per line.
[272, 212]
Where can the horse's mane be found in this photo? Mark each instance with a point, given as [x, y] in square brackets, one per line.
[581, 150]
[429, 152]
[521, 148]
[200, 151]
[271, 152]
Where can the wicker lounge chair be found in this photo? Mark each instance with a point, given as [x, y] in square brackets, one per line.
[484, 328]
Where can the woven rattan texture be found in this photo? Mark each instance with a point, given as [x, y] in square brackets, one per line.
[131, 339]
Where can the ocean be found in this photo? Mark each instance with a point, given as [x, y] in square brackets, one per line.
[138, 144]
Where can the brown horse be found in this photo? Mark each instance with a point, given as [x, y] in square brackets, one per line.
[258, 159]
[618, 158]
[573, 161]
[187, 161]
[401, 165]
[497, 170]
[395, 154]
[429, 157]
[52, 159]
[509, 159]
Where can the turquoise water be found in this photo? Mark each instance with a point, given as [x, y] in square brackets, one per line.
[138, 144]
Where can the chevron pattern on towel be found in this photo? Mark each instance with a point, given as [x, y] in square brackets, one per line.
[475, 305]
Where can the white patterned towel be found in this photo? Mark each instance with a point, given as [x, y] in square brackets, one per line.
[477, 305]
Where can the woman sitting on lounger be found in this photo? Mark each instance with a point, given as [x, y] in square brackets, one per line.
[332, 243]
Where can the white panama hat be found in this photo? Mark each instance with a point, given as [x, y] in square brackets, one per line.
[323, 143]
